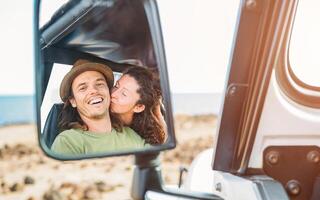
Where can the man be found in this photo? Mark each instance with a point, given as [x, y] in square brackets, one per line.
[85, 117]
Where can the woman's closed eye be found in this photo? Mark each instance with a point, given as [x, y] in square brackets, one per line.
[121, 90]
[124, 93]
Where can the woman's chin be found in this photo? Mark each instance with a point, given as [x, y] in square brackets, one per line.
[117, 109]
[113, 110]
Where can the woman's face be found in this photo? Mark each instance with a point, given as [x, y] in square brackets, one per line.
[124, 96]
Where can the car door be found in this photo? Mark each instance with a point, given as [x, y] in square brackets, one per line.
[270, 119]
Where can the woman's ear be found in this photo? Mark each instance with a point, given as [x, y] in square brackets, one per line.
[139, 108]
[73, 102]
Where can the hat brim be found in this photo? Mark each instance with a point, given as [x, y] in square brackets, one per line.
[65, 86]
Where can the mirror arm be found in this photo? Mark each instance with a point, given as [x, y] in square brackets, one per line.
[147, 177]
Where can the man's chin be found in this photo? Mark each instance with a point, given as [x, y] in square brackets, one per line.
[98, 116]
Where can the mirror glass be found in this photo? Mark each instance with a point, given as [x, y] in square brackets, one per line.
[103, 81]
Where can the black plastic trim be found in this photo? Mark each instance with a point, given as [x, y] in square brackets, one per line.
[147, 177]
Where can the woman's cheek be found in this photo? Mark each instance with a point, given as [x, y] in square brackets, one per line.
[113, 105]
[118, 106]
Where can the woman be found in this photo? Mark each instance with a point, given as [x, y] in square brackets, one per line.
[136, 98]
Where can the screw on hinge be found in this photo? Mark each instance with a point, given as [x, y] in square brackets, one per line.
[313, 156]
[293, 187]
[232, 90]
[272, 157]
[251, 4]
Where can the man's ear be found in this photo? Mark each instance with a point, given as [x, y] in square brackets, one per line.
[139, 108]
[73, 102]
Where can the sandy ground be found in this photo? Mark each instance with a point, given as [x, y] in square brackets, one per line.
[27, 174]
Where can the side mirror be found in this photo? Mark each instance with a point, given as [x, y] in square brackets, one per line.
[119, 34]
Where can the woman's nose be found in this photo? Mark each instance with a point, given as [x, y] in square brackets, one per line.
[114, 92]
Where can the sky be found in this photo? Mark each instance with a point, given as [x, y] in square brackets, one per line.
[197, 50]
[17, 74]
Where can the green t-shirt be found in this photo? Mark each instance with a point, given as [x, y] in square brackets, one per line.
[77, 141]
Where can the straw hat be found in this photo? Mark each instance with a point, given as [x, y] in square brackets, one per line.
[79, 67]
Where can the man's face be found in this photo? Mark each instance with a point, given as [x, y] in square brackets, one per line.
[90, 95]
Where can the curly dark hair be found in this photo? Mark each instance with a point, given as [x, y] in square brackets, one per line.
[145, 123]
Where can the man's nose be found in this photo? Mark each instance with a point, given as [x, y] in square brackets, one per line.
[93, 89]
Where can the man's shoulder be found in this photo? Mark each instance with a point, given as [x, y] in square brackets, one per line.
[71, 135]
[68, 142]
[132, 135]
[130, 132]
[70, 132]
[128, 129]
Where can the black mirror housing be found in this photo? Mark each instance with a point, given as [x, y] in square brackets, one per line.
[116, 33]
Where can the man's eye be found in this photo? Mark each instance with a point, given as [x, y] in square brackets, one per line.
[82, 88]
[124, 94]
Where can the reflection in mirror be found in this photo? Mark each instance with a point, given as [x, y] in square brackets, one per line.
[101, 85]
